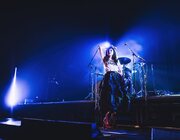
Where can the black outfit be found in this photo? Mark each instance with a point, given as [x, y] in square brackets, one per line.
[112, 93]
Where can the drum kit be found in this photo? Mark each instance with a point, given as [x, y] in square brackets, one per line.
[127, 75]
[135, 79]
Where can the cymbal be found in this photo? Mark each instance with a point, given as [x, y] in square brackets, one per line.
[124, 60]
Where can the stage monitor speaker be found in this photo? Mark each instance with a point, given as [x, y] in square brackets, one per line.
[165, 134]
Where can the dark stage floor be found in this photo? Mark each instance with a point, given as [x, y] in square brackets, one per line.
[120, 133]
[11, 129]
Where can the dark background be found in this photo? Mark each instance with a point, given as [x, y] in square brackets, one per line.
[51, 39]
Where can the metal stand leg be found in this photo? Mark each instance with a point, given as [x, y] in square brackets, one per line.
[91, 94]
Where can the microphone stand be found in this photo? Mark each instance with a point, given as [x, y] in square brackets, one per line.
[134, 54]
[144, 76]
[133, 83]
[93, 70]
[91, 94]
[90, 63]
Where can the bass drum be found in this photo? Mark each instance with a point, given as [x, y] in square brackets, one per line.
[127, 73]
[138, 76]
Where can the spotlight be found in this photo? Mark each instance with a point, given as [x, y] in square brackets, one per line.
[11, 98]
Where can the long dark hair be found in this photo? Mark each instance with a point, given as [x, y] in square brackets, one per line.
[114, 57]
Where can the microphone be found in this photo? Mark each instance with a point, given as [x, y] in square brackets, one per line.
[114, 47]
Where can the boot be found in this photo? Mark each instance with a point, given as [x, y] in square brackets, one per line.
[113, 120]
[106, 120]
